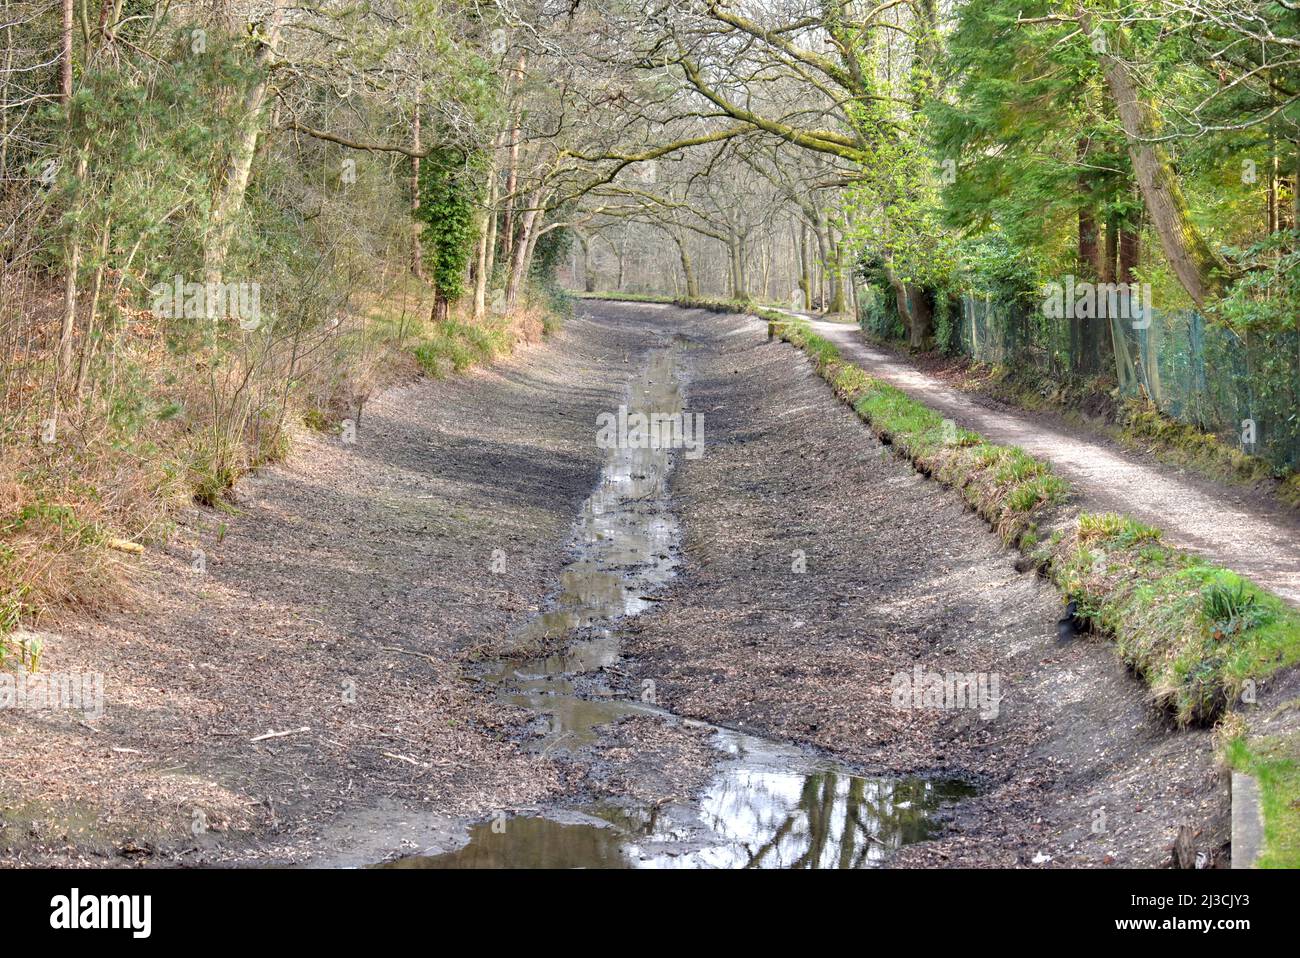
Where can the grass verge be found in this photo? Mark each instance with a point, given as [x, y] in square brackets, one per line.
[1274, 762]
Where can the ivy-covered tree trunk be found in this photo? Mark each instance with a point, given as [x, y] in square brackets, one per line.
[449, 211]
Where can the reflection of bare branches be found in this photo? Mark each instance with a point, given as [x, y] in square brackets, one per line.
[756, 860]
[820, 813]
[851, 819]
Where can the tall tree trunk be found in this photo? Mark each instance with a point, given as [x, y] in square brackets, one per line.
[1084, 331]
[481, 265]
[1111, 254]
[913, 307]
[1271, 202]
[65, 55]
[733, 252]
[417, 250]
[1090, 262]
[239, 165]
[688, 269]
[838, 303]
[1199, 268]
[519, 264]
[487, 237]
[512, 164]
[742, 263]
[588, 277]
[805, 267]
[70, 281]
[1130, 250]
[1295, 188]
[823, 253]
[530, 239]
[921, 334]
[73, 242]
[88, 341]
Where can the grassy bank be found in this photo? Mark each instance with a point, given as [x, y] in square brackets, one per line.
[78, 497]
[1195, 632]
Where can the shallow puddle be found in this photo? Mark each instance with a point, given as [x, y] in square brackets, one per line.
[767, 806]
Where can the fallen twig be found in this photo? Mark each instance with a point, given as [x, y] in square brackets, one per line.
[404, 758]
[392, 648]
[274, 734]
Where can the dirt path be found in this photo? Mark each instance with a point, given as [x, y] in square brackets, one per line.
[1242, 532]
[315, 691]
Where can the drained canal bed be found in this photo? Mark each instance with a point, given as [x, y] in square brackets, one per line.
[766, 805]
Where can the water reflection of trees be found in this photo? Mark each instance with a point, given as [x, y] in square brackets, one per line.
[841, 822]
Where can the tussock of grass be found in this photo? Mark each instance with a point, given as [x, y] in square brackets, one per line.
[53, 531]
[1195, 632]
[455, 346]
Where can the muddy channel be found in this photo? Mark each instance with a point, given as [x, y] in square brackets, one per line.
[767, 804]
